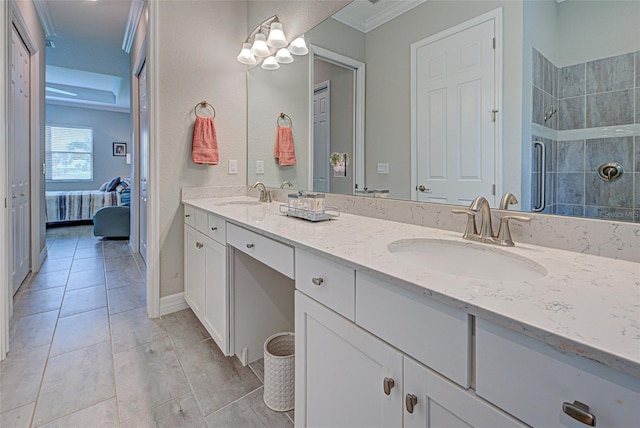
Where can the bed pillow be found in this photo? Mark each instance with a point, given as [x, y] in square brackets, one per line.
[103, 188]
[113, 184]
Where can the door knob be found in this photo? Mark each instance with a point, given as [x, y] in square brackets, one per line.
[422, 188]
[410, 401]
[388, 384]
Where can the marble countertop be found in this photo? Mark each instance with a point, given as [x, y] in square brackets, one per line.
[585, 305]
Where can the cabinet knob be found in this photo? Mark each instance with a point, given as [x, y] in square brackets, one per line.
[410, 401]
[317, 281]
[388, 384]
[214, 228]
[187, 215]
[580, 412]
[249, 245]
[199, 245]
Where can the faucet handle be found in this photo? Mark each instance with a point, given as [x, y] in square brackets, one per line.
[504, 234]
[471, 221]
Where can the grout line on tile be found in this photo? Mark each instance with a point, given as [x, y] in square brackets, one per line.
[235, 401]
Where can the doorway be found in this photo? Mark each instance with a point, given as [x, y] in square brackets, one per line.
[143, 121]
[455, 93]
[321, 136]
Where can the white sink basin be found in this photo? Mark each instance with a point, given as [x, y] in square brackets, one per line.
[239, 203]
[481, 261]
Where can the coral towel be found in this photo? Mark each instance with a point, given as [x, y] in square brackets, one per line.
[204, 146]
[285, 151]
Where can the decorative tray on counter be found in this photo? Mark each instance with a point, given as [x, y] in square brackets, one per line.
[327, 214]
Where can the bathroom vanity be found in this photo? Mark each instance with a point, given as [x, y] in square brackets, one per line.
[383, 339]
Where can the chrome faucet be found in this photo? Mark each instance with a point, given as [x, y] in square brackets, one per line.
[481, 206]
[265, 195]
[508, 199]
[286, 183]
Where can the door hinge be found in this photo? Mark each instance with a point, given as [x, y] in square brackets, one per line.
[493, 115]
[494, 43]
[493, 189]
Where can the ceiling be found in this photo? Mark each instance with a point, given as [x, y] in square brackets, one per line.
[365, 15]
[88, 65]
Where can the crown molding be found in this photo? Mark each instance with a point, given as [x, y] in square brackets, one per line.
[376, 20]
[46, 19]
[135, 12]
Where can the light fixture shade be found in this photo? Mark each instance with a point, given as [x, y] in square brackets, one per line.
[298, 46]
[260, 47]
[246, 57]
[276, 36]
[270, 64]
[283, 56]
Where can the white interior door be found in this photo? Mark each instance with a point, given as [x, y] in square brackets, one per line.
[19, 147]
[144, 158]
[455, 136]
[321, 137]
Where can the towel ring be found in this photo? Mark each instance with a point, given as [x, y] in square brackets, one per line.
[204, 104]
[284, 116]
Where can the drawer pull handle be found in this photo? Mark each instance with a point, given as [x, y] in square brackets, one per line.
[199, 245]
[580, 412]
[388, 385]
[187, 215]
[410, 401]
[249, 245]
[317, 281]
[214, 228]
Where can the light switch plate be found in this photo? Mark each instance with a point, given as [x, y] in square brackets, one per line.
[383, 168]
[259, 167]
[233, 166]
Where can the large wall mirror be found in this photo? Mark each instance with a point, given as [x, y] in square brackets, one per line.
[565, 98]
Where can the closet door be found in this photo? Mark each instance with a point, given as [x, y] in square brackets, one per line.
[144, 158]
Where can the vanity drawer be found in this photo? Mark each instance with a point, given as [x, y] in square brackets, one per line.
[530, 380]
[201, 220]
[217, 229]
[189, 215]
[436, 335]
[330, 283]
[272, 253]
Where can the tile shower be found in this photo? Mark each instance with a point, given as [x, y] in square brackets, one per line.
[580, 97]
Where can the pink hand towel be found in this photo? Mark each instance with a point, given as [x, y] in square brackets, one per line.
[285, 150]
[204, 146]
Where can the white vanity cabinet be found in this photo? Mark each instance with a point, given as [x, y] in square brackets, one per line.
[533, 382]
[205, 277]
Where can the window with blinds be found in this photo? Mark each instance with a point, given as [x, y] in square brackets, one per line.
[69, 153]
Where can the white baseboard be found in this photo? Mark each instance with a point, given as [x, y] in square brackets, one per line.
[43, 255]
[172, 303]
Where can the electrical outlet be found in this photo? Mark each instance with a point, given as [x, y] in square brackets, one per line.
[383, 168]
[259, 167]
[233, 166]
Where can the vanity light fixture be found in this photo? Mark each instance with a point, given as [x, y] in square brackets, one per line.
[268, 39]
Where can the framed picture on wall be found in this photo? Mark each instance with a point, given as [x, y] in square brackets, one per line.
[119, 149]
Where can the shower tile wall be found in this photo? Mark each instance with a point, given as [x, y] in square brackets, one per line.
[598, 93]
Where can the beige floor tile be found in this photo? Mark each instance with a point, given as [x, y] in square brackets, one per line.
[121, 278]
[20, 375]
[52, 265]
[85, 299]
[216, 380]
[80, 330]
[88, 278]
[115, 249]
[258, 368]
[249, 411]
[133, 328]
[184, 328]
[120, 263]
[17, 418]
[88, 242]
[48, 279]
[81, 265]
[126, 298]
[88, 252]
[38, 301]
[147, 376]
[102, 415]
[180, 413]
[75, 381]
[60, 252]
[32, 331]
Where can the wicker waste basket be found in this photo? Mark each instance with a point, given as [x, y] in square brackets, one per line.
[279, 372]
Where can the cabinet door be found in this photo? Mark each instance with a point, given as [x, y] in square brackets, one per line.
[217, 300]
[441, 403]
[194, 271]
[340, 372]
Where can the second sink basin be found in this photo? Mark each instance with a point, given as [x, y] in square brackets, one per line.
[467, 259]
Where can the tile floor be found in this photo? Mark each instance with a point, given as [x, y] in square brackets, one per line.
[84, 354]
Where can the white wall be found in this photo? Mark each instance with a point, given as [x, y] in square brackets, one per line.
[108, 127]
[198, 43]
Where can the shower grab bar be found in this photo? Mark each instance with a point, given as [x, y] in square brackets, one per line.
[541, 183]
